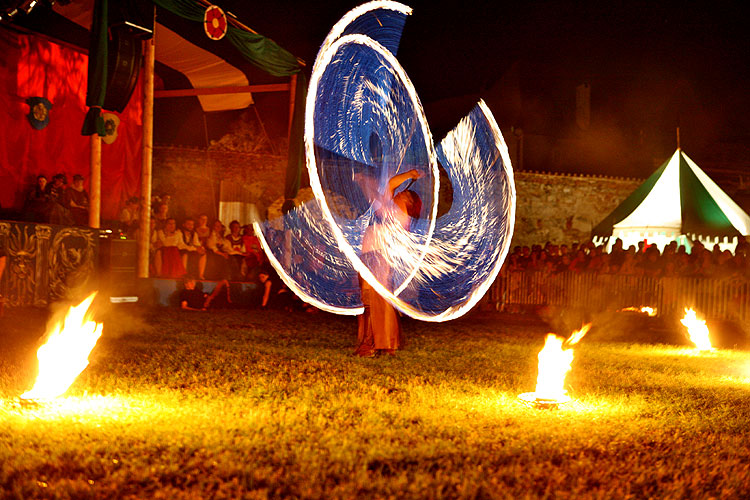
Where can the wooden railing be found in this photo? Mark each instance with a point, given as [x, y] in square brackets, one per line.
[713, 298]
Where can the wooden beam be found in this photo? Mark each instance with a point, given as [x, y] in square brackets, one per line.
[95, 180]
[144, 222]
[270, 87]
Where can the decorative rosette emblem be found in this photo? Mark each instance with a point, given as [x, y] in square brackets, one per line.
[39, 108]
[215, 23]
[111, 124]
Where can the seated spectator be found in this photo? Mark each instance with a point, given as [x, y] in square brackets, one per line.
[217, 265]
[236, 251]
[192, 299]
[274, 294]
[202, 230]
[160, 214]
[37, 205]
[193, 254]
[58, 213]
[76, 200]
[168, 259]
[128, 217]
[254, 252]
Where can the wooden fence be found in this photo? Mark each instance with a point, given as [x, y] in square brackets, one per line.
[712, 298]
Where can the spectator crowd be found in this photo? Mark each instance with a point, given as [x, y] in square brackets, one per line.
[56, 202]
[644, 260]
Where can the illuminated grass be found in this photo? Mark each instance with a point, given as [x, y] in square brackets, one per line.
[256, 404]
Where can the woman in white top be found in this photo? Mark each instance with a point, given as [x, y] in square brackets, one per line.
[169, 242]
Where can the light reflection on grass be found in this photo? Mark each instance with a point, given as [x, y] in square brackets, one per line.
[256, 404]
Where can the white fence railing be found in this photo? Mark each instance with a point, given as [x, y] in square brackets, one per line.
[713, 298]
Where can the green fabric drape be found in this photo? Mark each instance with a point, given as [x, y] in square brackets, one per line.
[259, 50]
[96, 87]
[700, 212]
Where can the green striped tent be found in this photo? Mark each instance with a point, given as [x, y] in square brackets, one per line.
[677, 202]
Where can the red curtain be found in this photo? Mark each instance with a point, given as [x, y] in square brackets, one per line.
[32, 66]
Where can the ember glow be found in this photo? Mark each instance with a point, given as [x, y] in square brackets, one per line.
[651, 311]
[697, 330]
[65, 354]
[554, 364]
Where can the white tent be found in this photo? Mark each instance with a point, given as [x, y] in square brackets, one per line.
[678, 202]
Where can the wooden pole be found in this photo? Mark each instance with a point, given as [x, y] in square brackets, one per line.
[678, 137]
[95, 181]
[144, 223]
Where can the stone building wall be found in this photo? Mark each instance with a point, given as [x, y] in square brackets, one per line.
[192, 177]
[560, 208]
[563, 208]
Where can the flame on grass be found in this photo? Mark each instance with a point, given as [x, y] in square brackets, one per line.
[555, 360]
[697, 330]
[65, 354]
[651, 311]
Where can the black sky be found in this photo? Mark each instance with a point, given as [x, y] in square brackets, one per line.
[652, 66]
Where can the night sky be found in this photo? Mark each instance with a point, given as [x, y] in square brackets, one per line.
[652, 66]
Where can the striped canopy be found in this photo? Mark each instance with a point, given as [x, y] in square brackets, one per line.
[677, 202]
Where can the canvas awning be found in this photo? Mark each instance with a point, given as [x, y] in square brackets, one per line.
[203, 69]
[678, 200]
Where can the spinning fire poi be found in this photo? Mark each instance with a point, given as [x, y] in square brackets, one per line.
[65, 353]
[555, 360]
[365, 125]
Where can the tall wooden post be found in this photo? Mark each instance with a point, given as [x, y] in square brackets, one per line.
[95, 181]
[144, 226]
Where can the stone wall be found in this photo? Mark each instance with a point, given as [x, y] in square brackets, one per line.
[563, 208]
[560, 208]
[192, 177]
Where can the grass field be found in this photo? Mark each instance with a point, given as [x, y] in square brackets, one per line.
[252, 404]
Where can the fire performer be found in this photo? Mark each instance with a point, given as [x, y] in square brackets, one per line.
[379, 331]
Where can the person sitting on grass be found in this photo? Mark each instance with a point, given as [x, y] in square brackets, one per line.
[275, 294]
[192, 299]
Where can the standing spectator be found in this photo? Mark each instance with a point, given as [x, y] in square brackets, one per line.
[76, 200]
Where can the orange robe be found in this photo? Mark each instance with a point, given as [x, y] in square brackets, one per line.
[378, 326]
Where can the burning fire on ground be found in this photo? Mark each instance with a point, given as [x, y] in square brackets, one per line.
[697, 330]
[554, 364]
[651, 311]
[65, 354]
